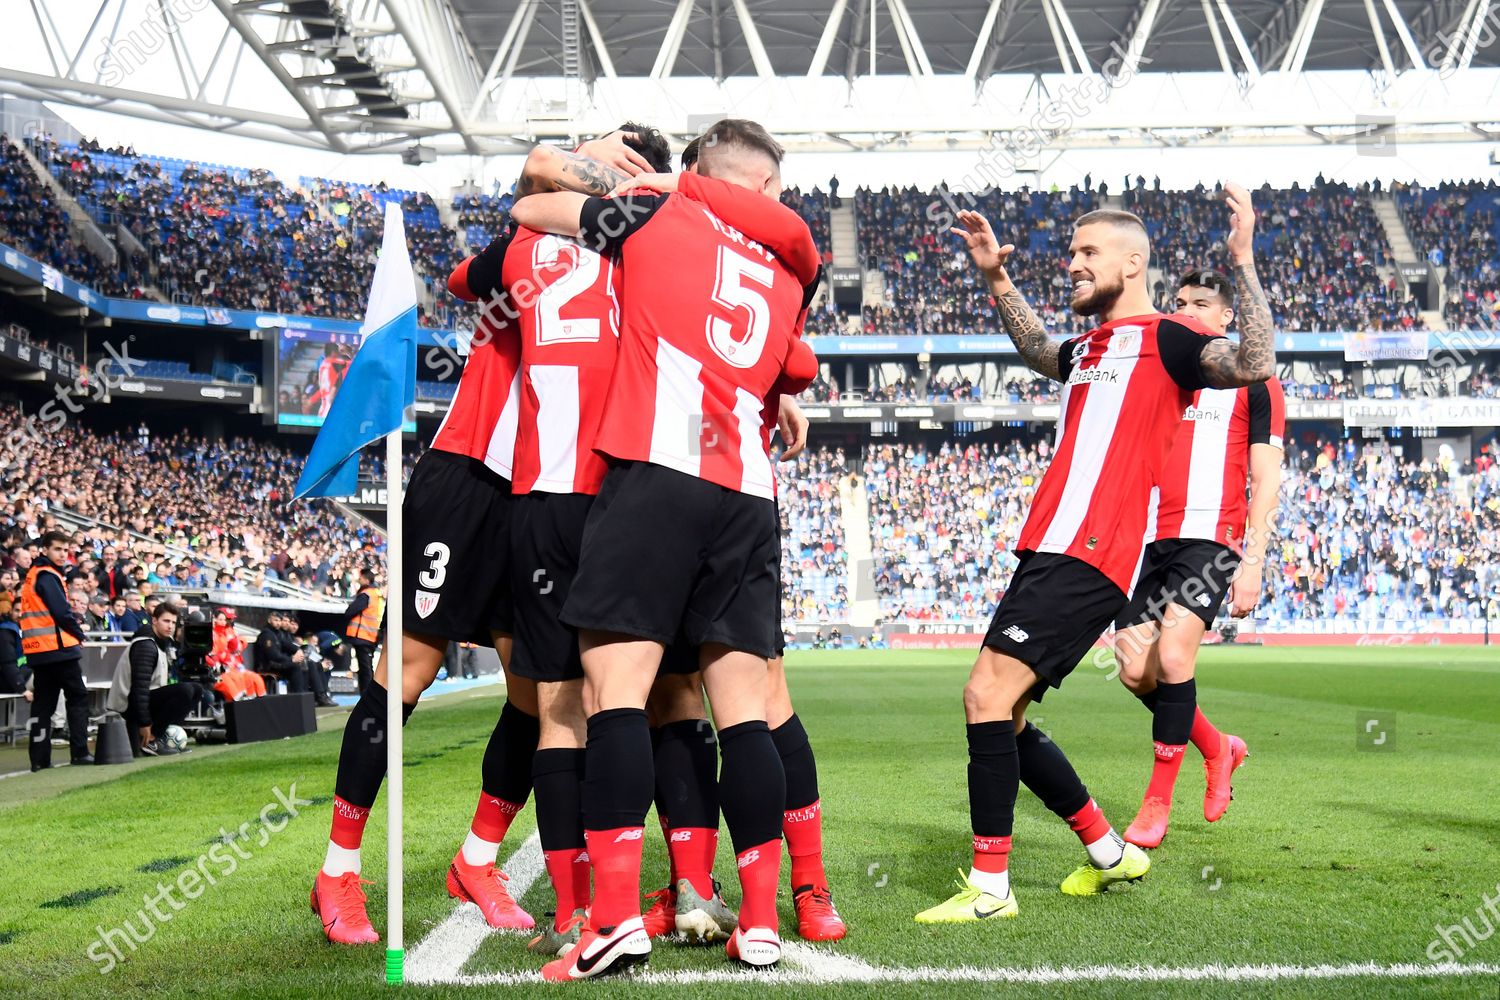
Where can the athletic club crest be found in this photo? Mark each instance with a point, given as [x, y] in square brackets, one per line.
[426, 603]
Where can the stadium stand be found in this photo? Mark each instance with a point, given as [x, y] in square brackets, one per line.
[161, 497]
[814, 570]
[1456, 226]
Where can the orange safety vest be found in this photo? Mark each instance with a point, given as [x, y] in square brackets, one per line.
[366, 626]
[39, 631]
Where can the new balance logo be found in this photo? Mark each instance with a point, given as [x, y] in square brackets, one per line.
[1016, 633]
[681, 836]
[1203, 600]
[629, 835]
[749, 857]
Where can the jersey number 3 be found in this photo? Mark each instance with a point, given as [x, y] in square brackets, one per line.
[734, 289]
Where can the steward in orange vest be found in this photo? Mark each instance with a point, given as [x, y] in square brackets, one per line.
[52, 641]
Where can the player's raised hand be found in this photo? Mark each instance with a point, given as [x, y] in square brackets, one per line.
[612, 151]
[660, 183]
[1241, 242]
[989, 256]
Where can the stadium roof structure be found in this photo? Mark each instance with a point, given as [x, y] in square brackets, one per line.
[493, 76]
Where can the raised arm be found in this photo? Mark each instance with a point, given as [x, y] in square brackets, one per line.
[1021, 322]
[559, 212]
[1226, 365]
[595, 168]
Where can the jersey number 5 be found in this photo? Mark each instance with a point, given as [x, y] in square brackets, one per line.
[733, 289]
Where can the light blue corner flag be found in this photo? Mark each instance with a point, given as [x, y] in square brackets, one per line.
[382, 379]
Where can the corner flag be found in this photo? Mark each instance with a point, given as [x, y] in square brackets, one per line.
[382, 379]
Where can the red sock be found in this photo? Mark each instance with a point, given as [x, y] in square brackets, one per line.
[569, 871]
[760, 872]
[991, 854]
[803, 829]
[691, 850]
[1205, 737]
[616, 860]
[1164, 771]
[348, 824]
[1089, 823]
[666, 836]
[492, 817]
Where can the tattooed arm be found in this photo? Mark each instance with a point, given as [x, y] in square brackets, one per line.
[597, 167]
[1021, 322]
[1224, 364]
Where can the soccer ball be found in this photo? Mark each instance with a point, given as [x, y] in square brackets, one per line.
[175, 738]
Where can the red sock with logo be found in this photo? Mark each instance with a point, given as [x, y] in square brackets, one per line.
[1164, 771]
[569, 871]
[991, 854]
[692, 851]
[1205, 736]
[760, 872]
[493, 816]
[615, 857]
[1089, 823]
[803, 829]
[348, 824]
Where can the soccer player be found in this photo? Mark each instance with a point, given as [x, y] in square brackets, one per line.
[802, 814]
[1190, 562]
[1126, 384]
[457, 509]
[682, 538]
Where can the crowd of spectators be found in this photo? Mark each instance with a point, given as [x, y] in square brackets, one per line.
[1368, 534]
[814, 562]
[1364, 533]
[931, 288]
[240, 237]
[227, 236]
[179, 511]
[32, 222]
[1322, 254]
[943, 524]
[1454, 225]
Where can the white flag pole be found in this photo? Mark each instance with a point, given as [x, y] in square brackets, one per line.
[394, 953]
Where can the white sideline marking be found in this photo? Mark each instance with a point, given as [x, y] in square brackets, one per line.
[853, 973]
[440, 956]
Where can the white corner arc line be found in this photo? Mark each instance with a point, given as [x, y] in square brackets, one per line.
[1041, 975]
[442, 953]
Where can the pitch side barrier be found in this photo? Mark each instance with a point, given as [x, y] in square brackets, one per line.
[969, 634]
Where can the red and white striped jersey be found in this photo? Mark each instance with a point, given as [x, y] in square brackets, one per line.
[481, 420]
[1125, 387]
[710, 331]
[1202, 492]
[570, 335]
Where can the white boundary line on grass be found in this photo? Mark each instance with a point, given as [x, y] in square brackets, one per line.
[442, 954]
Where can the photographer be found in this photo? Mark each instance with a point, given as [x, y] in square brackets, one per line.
[144, 691]
[320, 660]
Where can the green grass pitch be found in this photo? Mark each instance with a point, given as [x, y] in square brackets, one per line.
[1340, 847]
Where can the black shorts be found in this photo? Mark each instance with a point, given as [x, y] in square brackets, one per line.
[546, 533]
[457, 550]
[1189, 572]
[668, 554]
[1054, 609]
